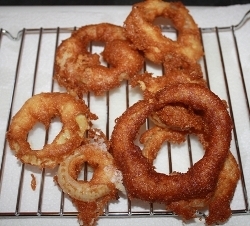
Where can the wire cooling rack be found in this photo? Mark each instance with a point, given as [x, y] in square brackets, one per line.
[28, 60]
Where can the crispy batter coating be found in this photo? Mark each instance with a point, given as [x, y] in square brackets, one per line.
[153, 138]
[176, 70]
[148, 37]
[219, 206]
[178, 117]
[90, 197]
[218, 201]
[139, 176]
[104, 177]
[74, 116]
[90, 211]
[80, 71]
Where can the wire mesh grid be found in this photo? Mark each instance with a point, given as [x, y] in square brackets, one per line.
[31, 72]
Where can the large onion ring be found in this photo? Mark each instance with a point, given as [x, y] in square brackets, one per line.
[148, 38]
[140, 178]
[80, 71]
[74, 116]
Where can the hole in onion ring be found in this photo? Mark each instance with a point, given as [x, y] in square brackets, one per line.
[55, 128]
[183, 163]
[97, 48]
[36, 136]
[162, 22]
[168, 158]
[155, 69]
[161, 163]
[85, 173]
[172, 156]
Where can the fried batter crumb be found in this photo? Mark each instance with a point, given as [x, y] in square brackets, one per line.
[33, 182]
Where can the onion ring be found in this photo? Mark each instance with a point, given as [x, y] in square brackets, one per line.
[80, 71]
[218, 201]
[140, 179]
[106, 177]
[148, 38]
[103, 179]
[74, 115]
[90, 197]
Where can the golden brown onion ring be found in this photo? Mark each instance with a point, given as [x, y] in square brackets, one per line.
[105, 178]
[148, 37]
[104, 185]
[80, 71]
[74, 116]
[140, 178]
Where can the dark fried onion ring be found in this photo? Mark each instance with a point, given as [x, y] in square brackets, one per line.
[140, 178]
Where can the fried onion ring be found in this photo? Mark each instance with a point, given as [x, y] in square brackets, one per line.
[105, 178]
[90, 197]
[74, 116]
[80, 71]
[104, 185]
[218, 201]
[140, 178]
[148, 37]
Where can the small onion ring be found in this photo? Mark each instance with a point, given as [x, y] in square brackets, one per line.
[74, 116]
[148, 37]
[140, 178]
[104, 179]
[80, 71]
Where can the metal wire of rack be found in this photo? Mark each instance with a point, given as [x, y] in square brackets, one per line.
[33, 63]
